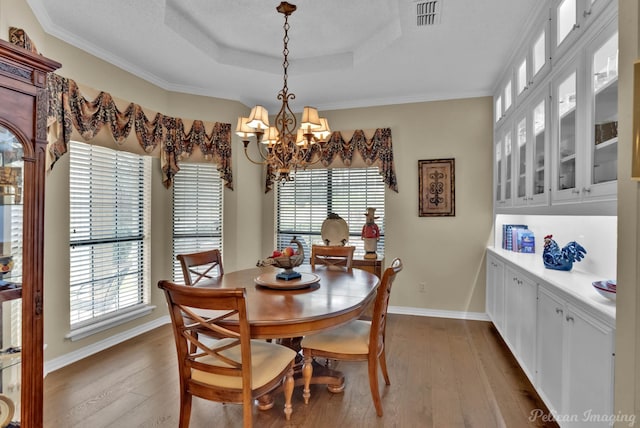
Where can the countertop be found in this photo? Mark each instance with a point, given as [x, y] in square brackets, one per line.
[575, 282]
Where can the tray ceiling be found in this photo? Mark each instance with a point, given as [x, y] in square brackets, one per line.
[343, 54]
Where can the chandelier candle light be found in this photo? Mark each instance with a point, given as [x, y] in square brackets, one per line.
[283, 148]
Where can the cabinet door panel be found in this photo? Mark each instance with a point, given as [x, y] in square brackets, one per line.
[527, 330]
[589, 366]
[495, 292]
[550, 349]
[511, 309]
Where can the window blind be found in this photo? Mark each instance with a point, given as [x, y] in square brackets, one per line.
[304, 203]
[197, 211]
[109, 220]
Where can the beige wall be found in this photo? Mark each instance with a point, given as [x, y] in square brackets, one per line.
[445, 253]
[627, 372]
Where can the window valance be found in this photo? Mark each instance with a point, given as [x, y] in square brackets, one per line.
[353, 148]
[69, 109]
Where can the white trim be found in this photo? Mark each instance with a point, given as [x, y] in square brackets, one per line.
[109, 322]
[72, 357]
[437, 313]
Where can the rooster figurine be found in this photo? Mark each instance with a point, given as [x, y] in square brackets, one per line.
[561, 259]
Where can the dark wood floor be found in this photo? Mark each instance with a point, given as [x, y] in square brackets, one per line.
[444, 373]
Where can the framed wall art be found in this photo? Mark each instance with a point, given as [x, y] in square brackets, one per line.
[436, 190]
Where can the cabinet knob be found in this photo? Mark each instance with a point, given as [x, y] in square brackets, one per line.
[586, 189]
[576, 191]
[586, 13]
[569, 318]
[559, 310]
[576, 26]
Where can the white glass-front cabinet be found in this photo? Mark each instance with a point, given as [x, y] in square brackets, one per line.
[602, 162]
[504, 100]
[540, 130]
[565, 148]
[530, 148]
[570, 20]
[522, 162]
[534, 63]
[585, 141]
[504, 166]
[556, 120]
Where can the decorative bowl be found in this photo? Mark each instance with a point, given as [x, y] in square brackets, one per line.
[286, 262]
[606, 289]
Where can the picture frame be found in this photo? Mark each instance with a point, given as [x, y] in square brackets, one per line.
[436, 188]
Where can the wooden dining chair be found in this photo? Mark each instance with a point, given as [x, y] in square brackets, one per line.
[359, 340]
[332, 255]
[200, 265]
[232, 369]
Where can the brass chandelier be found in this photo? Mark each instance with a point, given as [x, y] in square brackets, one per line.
[282, 147]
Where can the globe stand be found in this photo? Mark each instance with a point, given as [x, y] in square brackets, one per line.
[289, 274]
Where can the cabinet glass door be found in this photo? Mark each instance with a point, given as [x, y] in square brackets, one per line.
[521, 184]
[508, 160]
[566, 144]
[539, 127]
[539, 53]
[499, 173]
[566, 19]
[521, 77]
[11, 197]
[604, 147]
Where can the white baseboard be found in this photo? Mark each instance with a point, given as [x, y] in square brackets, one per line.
[64, 360]
[72, 357]
[403, 310]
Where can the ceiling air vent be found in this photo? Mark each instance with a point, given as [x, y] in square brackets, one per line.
[428, 12]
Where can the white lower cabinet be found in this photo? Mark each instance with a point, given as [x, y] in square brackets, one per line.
[565, 347]
[550, 349]
[575, 362]
[520, 294]
[495, 292]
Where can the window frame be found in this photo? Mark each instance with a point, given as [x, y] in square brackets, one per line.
[104, 164]
[205, 188]
[374, 196]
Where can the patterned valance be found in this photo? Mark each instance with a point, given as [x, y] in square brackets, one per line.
[67, 107]
[374, 151]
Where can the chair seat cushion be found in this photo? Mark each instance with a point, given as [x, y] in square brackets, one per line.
[267, 359]
[351, 338]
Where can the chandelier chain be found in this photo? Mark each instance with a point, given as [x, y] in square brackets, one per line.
[285, 53]
[286, 150]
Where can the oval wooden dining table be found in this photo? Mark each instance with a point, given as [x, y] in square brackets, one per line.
[338, 297]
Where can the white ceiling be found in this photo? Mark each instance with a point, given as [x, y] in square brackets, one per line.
[343, 53]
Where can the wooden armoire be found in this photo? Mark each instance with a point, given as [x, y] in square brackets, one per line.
[23, 145]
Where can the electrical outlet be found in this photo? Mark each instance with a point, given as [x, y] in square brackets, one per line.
[422, 287]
